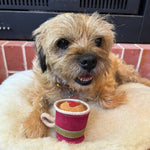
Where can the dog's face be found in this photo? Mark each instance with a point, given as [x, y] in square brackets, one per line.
[74, 48]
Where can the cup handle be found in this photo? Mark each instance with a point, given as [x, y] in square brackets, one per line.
[48, 120]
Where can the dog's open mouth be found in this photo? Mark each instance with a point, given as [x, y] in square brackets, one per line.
[84, 80]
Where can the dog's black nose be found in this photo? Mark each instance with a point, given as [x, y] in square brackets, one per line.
[88, 62]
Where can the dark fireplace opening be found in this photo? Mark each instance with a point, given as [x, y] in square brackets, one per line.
[18, 18]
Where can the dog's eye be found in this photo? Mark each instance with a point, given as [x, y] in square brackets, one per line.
[63, 44]
[98, 42]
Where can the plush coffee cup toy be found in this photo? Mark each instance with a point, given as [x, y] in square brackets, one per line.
[70, 119]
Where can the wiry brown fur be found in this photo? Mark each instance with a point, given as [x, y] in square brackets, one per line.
[81, 31]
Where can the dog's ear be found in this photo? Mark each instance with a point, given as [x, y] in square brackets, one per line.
[42, 60]
[39, 36]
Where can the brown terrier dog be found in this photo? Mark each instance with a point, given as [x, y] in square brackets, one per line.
[73, 51]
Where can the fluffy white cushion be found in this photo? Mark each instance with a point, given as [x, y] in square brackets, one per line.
[126, 127]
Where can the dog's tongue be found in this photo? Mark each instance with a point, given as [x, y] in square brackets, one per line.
[73, 104]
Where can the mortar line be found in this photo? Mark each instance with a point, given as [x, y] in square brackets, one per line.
[122, 54]
[4, 58]
[140, 57]
[24, 55]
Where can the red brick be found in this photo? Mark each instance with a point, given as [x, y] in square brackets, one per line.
[117, 50]
[131, 54]
[11, 73]
[30, 54]
[144, 46]
[144, 68]
[2, 66]
[2, 42]
[14, 56]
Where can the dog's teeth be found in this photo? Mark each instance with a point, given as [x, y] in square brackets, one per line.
[81, 79]
[85, 79]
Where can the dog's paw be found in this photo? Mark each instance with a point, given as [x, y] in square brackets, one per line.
[113, 100]
[33, 127]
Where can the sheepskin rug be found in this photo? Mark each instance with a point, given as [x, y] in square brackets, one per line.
[126, 127]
